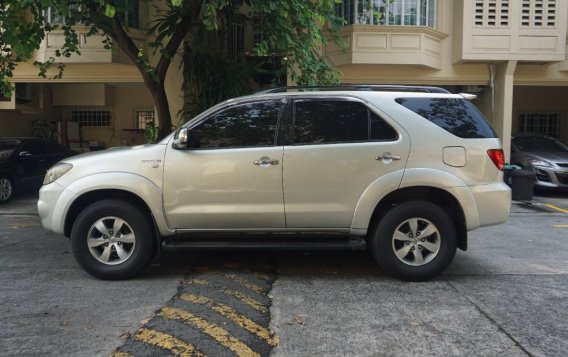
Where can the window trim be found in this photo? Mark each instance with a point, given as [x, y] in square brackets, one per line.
[292, 121]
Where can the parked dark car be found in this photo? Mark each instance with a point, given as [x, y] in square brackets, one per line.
[24, 162]
[544, 155]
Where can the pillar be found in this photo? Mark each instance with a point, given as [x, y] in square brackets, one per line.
[503, 99]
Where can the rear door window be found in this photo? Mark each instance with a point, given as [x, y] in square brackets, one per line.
[455, 115]
[322, 121]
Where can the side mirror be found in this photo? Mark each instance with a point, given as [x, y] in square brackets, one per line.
[24, 154]
[180, 139]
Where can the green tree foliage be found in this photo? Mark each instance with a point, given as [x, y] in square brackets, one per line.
[289, 27]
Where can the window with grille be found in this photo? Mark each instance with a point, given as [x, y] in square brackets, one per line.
[547, 123]
[491, 13]
[388, 12]
[236, 35]
[538, 13]
[90, 117]
[143, 116]
[258, 35]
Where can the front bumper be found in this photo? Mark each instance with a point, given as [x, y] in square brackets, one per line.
[51, 206]
[551, 177]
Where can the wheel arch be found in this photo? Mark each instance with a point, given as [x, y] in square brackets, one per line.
[438, 196]
[88, 198]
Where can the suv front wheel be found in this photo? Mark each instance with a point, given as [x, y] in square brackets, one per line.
[112, 240]
[415, 241]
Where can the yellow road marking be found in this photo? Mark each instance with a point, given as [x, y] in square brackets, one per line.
[221, 335]
[121, 354]
[190, 281]
[247, 300]
[561, 225]
[233, 315]
[556, 208]
[168, 342]
[237, 294]
[245, 283]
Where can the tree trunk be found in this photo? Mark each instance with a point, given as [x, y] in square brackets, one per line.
[163, 111]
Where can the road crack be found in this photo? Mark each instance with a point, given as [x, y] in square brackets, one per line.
[490, 319]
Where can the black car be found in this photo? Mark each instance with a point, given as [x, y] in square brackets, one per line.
[23, 163]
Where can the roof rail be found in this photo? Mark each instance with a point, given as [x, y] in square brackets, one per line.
[355, 87]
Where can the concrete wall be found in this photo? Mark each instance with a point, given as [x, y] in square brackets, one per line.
[18, 122]
[125, 98]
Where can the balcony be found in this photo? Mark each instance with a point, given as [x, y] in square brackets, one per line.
[376, 44]
[510, 30]
[91, 48]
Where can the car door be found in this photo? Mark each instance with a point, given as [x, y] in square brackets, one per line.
[231, 174]
[33, 162]
[338, 147]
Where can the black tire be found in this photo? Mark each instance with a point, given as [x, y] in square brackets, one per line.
[140, 253]
[7, 189]
[408, 267]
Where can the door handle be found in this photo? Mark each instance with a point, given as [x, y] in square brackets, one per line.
[387, 157]
[265, 162]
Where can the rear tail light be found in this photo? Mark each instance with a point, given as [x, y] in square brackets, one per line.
[498, 157]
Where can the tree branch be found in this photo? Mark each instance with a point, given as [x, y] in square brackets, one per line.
[176, 39]
[125, 43]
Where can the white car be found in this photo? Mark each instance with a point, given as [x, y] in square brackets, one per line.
[403, 171]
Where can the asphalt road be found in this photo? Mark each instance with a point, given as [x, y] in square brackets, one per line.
[507, 295]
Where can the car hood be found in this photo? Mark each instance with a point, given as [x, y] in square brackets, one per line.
[132, 159]
[555, 157]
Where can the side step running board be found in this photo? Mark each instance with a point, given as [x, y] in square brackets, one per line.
[354, 243]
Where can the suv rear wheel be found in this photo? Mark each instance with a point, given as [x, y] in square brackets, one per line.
[112, 240]
[415, 241]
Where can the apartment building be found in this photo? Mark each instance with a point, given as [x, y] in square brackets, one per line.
[101, 96]
[510, 53]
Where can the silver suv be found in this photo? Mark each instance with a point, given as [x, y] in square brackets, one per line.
[405, 171]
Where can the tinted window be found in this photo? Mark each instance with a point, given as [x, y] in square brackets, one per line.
[245, 125]
[7, 148]
[458, 116]
[380, 130]
[336, 121]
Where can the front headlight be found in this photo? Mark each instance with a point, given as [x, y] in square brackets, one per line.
[56, 172]
[537, 162]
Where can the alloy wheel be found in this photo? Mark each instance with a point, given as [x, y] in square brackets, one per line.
[416, 241]
[111, 240]
[5, 189]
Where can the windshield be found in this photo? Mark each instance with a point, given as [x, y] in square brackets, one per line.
[539, 143]
[7, 148]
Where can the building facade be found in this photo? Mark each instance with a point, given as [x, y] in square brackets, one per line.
[510, 53]
[101, 99]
